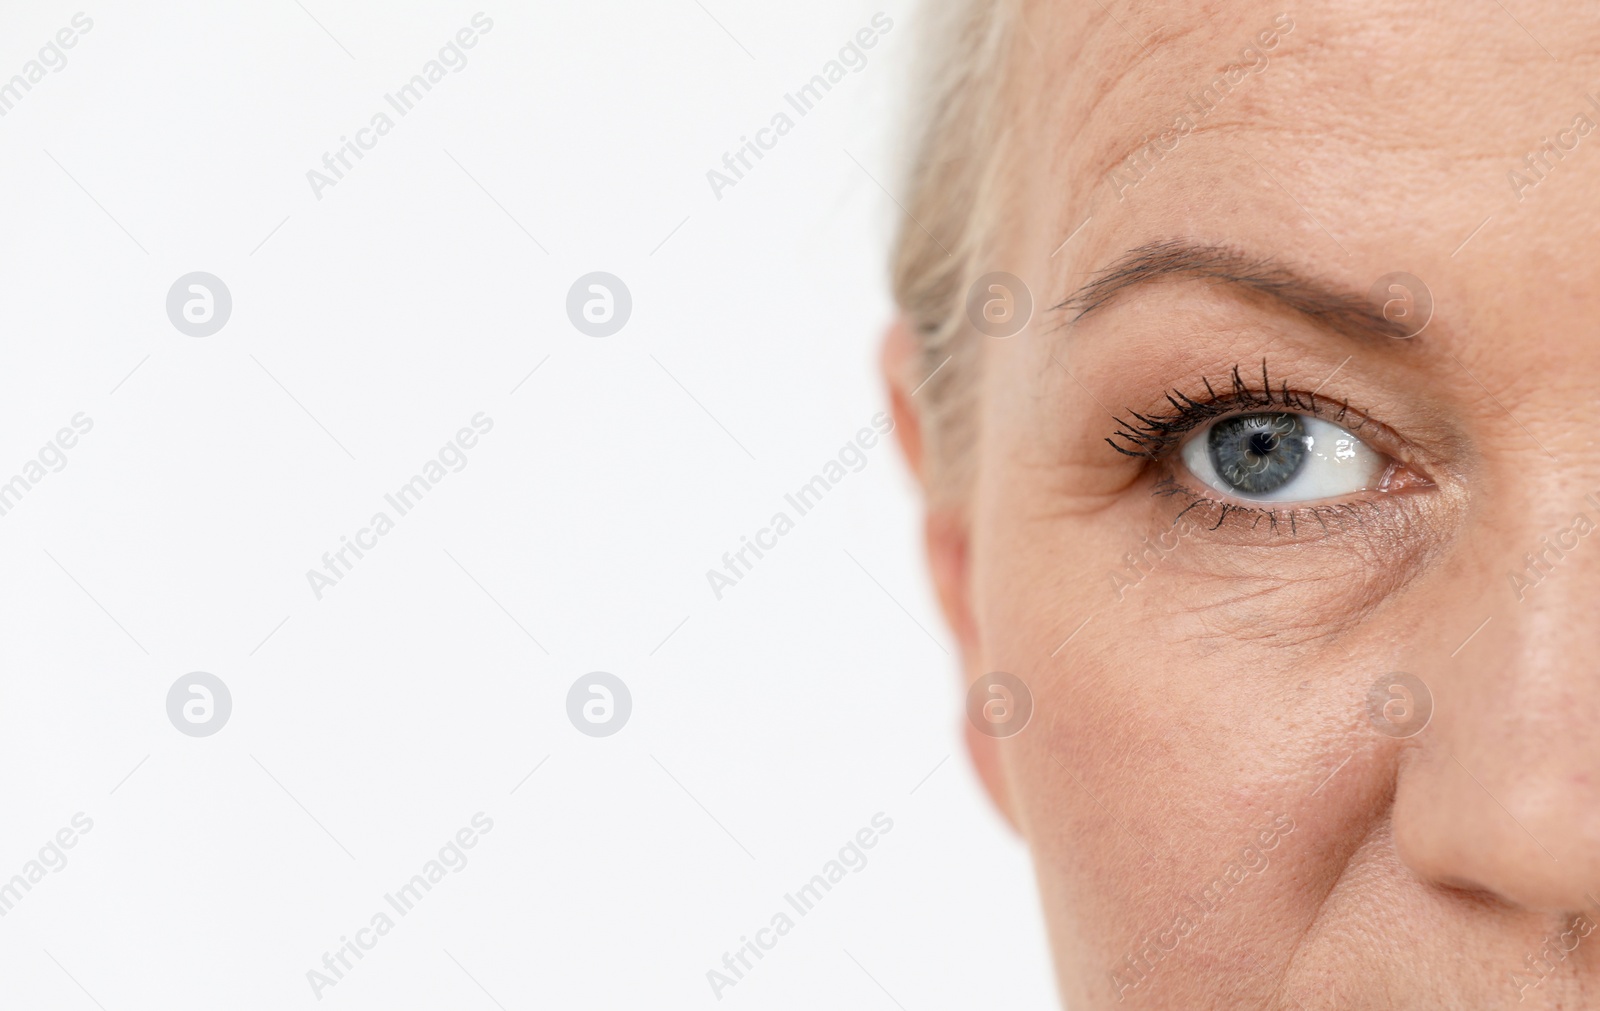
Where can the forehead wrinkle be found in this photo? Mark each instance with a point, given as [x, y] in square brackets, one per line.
[1308, 94]
[1123, 102]
[1094, 57]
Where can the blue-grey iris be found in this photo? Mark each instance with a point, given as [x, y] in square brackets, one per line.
[1256, 454]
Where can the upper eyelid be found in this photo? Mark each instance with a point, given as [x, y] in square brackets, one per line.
[1153, 437]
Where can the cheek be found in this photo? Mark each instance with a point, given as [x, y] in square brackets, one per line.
[1162, 743]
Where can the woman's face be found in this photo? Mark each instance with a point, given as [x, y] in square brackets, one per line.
[1223, 782]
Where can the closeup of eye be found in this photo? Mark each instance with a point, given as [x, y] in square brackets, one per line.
[1282, 457]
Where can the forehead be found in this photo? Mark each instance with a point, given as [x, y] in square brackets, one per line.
[1372, 137]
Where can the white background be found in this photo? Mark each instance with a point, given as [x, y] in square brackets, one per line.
[367, 327]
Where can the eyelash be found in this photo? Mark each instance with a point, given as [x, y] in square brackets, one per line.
[1153, 437]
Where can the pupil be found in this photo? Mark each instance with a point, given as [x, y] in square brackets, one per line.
[1256, 454]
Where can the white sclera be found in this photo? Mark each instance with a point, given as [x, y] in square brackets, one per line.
[1337, 463]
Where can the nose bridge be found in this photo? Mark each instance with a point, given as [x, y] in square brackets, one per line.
[1539, 670]
[1503, 793]
[1558, 561]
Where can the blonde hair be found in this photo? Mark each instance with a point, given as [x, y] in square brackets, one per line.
[952, 186]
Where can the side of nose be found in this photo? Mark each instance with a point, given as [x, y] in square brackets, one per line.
[1501, 793]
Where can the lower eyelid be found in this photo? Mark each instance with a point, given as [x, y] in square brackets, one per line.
[1209, 512]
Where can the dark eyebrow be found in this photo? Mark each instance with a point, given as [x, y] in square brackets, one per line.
[1322, 303]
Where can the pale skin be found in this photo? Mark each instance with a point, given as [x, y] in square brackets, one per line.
[1220, 689]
